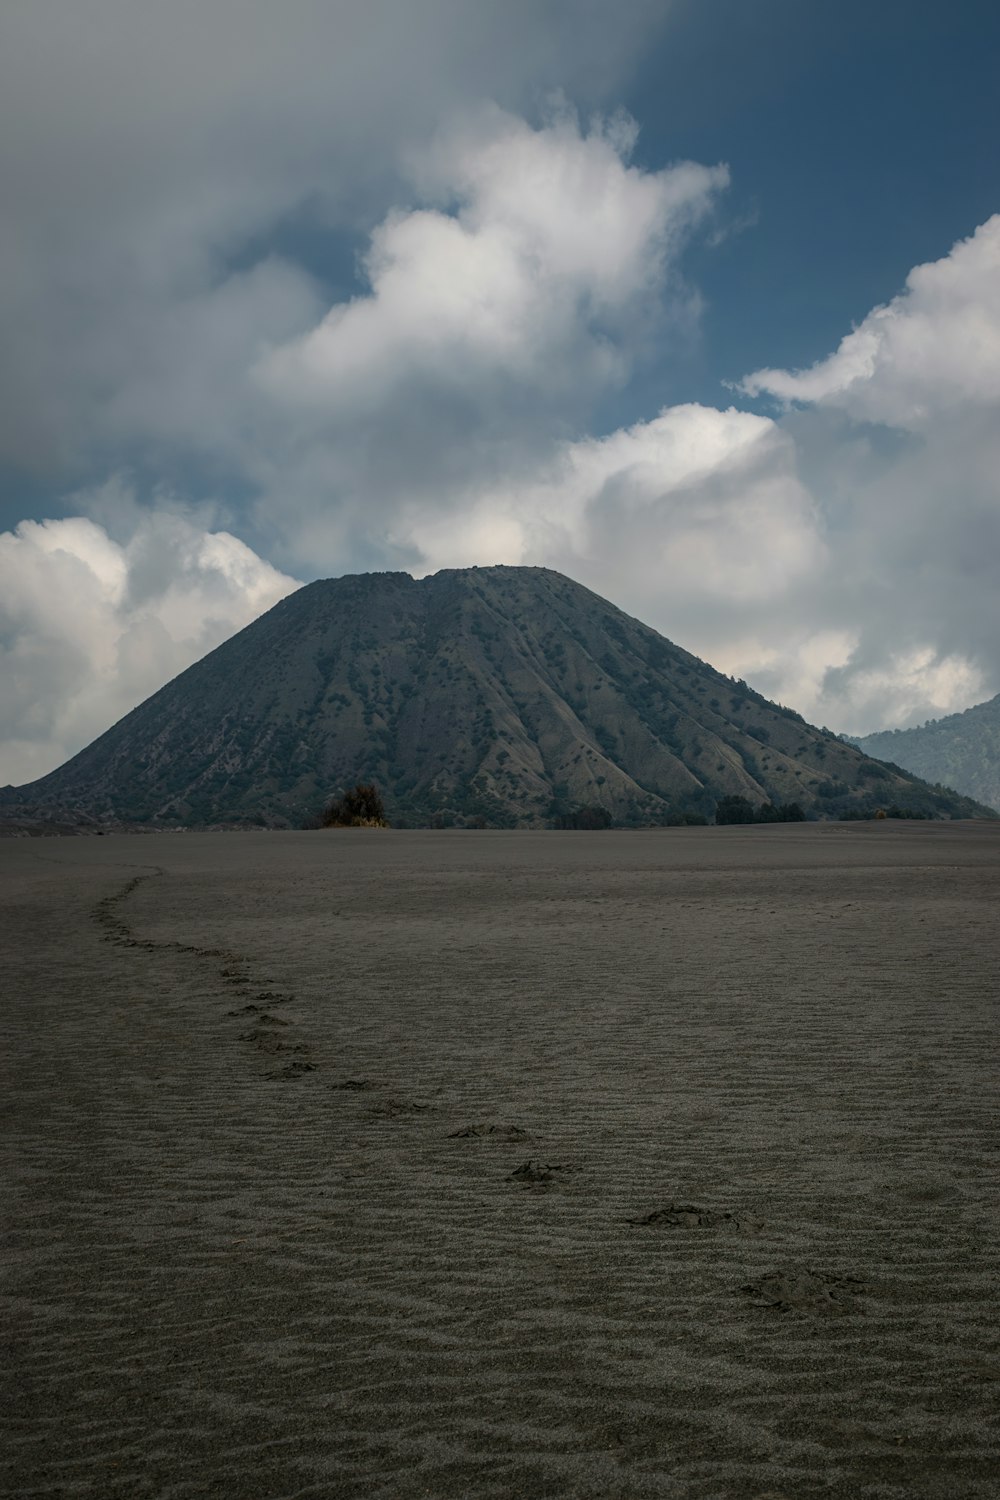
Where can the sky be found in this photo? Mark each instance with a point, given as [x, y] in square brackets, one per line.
[695, 301]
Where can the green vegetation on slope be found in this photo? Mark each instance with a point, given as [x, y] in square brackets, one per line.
[961, 751]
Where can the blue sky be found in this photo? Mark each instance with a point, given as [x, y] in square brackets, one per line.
[862, 139]
[411, 286]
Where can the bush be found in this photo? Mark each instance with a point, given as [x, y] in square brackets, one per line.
[867, 812]
[584, 817]
[734, 810]
[362, 807]
[785, 812]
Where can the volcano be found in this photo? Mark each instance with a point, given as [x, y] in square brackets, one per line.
[500, 697]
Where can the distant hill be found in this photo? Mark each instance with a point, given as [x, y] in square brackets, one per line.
[508, 697]
[961, 751]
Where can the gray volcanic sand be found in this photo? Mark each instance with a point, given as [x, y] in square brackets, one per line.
[481, 1164]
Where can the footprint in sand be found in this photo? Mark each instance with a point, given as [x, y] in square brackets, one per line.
[266, 1041]
[293, 1069]
[231, 976]
[256, 1006]
[540, 1176]
[392, 1109]
[799, 1289]
[690, 1216]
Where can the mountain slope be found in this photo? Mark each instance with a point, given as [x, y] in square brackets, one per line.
[497, 694]
[961, 751]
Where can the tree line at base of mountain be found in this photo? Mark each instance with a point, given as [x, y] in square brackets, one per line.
[363, 807]
[741, 810]
[868, 814]
[583, 817]
[599, 817]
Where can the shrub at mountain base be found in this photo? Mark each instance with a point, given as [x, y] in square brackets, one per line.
[734, 810]
[361, 807]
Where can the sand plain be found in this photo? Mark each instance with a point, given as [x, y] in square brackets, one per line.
[397, 1164]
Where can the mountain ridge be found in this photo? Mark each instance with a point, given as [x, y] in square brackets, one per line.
[492, 696]
[960, 750]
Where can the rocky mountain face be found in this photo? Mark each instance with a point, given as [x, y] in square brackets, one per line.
[497, 696]
[961, 751]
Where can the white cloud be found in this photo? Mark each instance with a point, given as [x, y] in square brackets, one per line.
[832, 677]
[490, 329]
[932, 351]
[526, 287]
[902, 448]
[905, 688]
[790, 667]
[146, 149]
[697, 505]
[89, 626]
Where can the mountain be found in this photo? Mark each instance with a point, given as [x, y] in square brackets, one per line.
[961, 751]
[497, 695]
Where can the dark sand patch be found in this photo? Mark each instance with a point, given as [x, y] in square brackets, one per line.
[224, 1277]
[799, 1289]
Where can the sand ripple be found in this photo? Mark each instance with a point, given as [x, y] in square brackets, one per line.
[502, 1165]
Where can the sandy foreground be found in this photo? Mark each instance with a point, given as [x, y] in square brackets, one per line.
[481, 1164]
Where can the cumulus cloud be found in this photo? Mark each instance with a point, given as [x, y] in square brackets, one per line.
[932, 351]
[698, 510]
[552, 244]
[902, 447]
[90, 626]
[491, 326]
[701, 506]
[150, 154]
